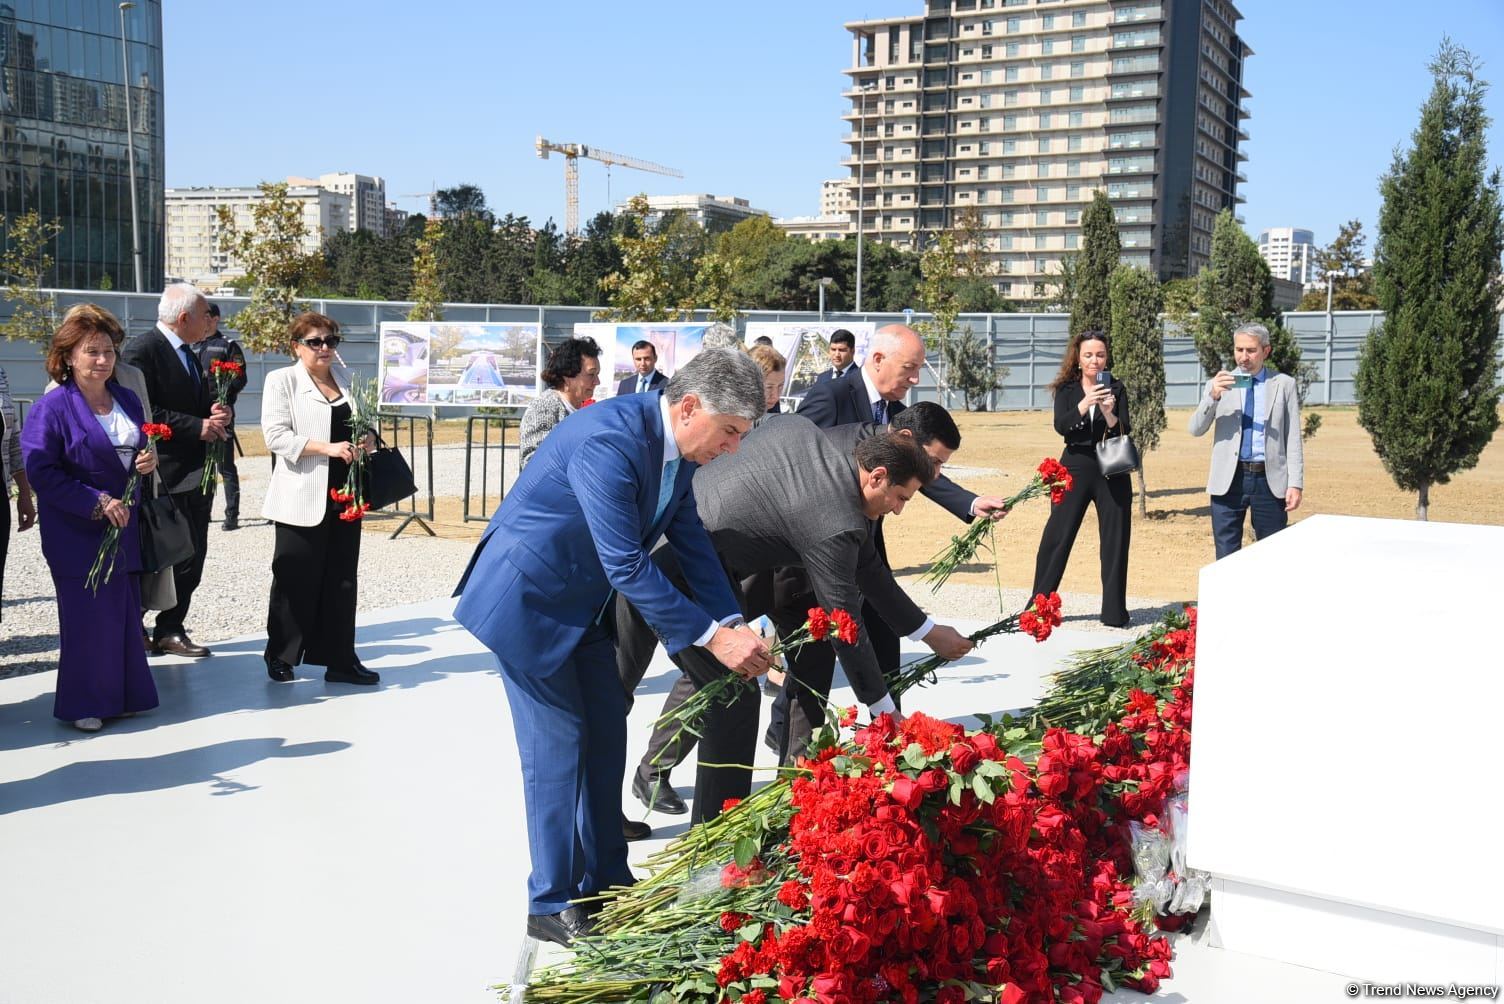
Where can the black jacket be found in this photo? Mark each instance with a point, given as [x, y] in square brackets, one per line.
[1088, 430]
[175, 402]
[218, 348]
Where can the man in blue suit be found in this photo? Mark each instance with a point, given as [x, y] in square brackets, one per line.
[576, 529]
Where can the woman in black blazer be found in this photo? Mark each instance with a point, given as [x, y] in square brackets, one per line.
[1087, 412]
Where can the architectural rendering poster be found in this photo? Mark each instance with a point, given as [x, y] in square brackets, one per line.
[443, 363]
[806, 347]
[676, 344]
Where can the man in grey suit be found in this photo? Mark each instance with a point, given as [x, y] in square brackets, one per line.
[790, 497]
[1257, 463]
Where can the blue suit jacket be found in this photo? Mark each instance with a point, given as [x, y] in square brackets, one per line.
[578, 525]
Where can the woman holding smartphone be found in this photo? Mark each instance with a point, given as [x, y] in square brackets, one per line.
[1090, 405]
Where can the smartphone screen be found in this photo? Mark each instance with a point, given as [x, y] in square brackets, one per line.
[1242, 381]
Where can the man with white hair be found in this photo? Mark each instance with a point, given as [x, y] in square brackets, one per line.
[181, 398]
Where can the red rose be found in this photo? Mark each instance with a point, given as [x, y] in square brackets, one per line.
[907, 793]
[964, 757]
[754, 997]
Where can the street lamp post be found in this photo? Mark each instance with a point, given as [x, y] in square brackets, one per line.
[825, 280]
[130, 151]
[1331, 335]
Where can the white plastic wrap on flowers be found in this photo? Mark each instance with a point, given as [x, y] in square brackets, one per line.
[1163, 879]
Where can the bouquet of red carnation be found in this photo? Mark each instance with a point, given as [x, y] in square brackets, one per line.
[363, 420]
[1042, 617]
[1050, 476]
[222, 373]
[818, 626]
[109, 544]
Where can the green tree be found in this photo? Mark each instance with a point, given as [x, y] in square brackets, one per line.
[461, 201]
[651, 285]
[1428, 378]
[966, 356]
[106, 283]
[278, 269]
[753, 244]
[427, 297]
[1138, 359]
[1061, 293]
[1091, 306]
[1353, 289]
[25, 265]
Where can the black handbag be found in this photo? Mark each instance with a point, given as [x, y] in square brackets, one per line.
[165, 536]
[1117, 455]
[389, 479]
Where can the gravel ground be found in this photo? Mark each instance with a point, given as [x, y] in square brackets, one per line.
[231, 599]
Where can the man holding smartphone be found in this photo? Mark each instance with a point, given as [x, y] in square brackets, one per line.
[1257, 463]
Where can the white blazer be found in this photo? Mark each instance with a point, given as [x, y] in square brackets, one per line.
[293, 411]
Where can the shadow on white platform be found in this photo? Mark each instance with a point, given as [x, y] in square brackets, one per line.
[308, 842]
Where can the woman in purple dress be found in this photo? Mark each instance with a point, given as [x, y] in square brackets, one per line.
[80, 442]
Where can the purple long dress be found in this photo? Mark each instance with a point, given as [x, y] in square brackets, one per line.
[102, 671]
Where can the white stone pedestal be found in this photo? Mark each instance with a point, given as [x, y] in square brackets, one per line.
[1346, 761]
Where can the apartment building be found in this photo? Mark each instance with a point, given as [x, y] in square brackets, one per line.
[193, 228]
[1290, 254]
[1018, 110]
[367, 197]
[715, 213]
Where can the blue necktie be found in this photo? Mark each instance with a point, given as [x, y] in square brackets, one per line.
[1245, 450]
[642, 384]
[878, 411]
[191, 363]
[666, 489]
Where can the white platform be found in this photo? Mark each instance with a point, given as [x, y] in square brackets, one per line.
[256, 842]
[1344, 787]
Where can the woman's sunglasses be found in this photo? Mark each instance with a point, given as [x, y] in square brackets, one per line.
[332, 341]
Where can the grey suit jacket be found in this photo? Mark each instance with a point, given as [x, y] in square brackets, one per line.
[1284, 462]
[790, 497]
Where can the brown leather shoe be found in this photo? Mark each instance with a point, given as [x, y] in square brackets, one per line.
[180, 644]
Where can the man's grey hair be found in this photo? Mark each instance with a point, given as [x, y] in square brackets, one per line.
[1256, 330]
[726, 381]
[177, 300]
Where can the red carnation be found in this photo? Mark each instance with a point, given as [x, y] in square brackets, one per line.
[846, 626]
[156, 430]
[819, 623]
[730, 804]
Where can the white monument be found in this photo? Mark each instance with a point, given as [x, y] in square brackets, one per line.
[1345, 783]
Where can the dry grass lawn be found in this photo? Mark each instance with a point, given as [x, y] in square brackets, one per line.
[999, 450]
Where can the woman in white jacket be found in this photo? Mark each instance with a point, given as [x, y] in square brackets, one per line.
[305, 418]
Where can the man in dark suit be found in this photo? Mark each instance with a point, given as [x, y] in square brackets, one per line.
[874, 392]
[645, 363]
[791, 498]
[842, 356]
[574, 531]
[217, 348]
[181, 398]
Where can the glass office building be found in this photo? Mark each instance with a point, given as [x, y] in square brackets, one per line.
[63, 138]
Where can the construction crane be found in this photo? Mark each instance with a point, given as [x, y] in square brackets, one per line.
[572, 153]
[432, 197]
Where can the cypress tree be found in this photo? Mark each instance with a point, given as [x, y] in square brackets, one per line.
[1428, 378]
[1091, 308]
[1138, 359]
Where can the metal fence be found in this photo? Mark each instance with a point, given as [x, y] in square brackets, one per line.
[1029, 345]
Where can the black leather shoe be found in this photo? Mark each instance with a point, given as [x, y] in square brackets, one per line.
[232, 523]
[634, 830]
[356, 674]
[277, 669]
[181, 644]
[151, 646]
[659, 796]
[560, 928]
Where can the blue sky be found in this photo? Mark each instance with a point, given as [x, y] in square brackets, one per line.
[749, 105]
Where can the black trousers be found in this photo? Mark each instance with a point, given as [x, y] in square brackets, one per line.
[4, 538]
[231, 477]
[729, 731]
[194, 505]
[1113, 498]
[311, 616]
